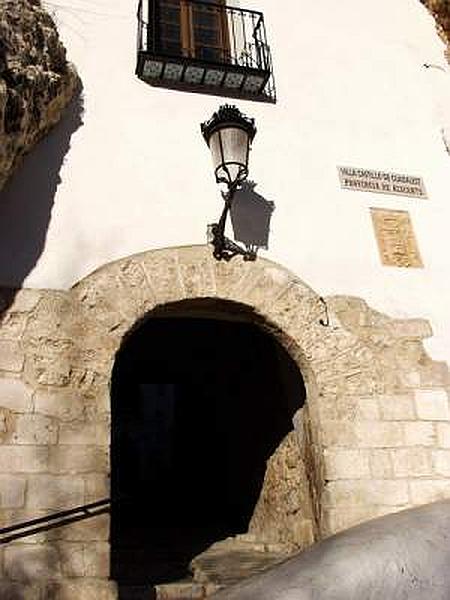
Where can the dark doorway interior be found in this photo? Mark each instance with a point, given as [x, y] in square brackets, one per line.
[198, 406]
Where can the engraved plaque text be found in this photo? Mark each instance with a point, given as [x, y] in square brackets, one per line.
[395, 236]
[381, 182]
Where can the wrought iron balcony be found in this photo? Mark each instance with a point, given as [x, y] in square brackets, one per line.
[206, 47]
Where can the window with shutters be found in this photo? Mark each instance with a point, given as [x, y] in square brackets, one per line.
[205, 46]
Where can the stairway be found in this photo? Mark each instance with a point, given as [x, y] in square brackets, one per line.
[221, 565]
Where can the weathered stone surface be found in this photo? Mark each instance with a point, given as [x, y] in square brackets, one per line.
[432, 405]
[66, 404]
[346, 464]
[32, 562]
[78, 459]
[15, 395]
[412, 462]
[55, 492]
[397, 407]
[12, 491]
[375, 437]
[441, 462]
[11, 356]
[284, 512]
[84, 589]
[17, 591]
[24, 459]
[419, 433]
[34, 430]
[424, 491]
[96, 559]
[95, 529]
[163, 275]
[381, 464]
[196, 272]
[443, 435]
[362, 492]
[36, 82]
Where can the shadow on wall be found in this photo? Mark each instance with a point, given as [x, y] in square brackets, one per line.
[250, 217]
[27, 199]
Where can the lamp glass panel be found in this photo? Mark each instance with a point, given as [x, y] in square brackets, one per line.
[235, 149]
[214, 146]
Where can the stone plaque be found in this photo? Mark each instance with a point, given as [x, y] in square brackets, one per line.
[395, 236]
[381, 182]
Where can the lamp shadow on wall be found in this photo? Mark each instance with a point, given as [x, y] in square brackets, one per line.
[27, 200]
[251, 214]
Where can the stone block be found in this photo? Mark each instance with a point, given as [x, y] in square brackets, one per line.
[79, 459]
[32, 562]
[340, 494]
[419, 433]
[25, 300]
[23, 459]
[12, 326]
[412, 462]
[71, 559]
[378, 434]
[15, 395]
[81, 589]
[138, 291]
[34, 430]
[12, 491]
[98, 487]
[197, 272]
[163, 274]
[16, 591]
[443, 434]
[78, 433]
[397, 407]
[95, 529]
[432, 405]
[349, 408]
[230, 278]
[429, 490]
[339, 519]
[265, 285]
[64, 404]
[96, 558]
[441, 462]
[381, 464]
[55, 492]
[410, 328]
[346, 464]
[337, 433]
[11, 356]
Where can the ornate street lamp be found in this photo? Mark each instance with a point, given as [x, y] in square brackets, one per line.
[229, 135]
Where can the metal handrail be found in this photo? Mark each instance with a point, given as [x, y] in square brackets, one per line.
[53, 520]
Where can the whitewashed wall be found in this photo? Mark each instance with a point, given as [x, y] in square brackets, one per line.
[352, 91]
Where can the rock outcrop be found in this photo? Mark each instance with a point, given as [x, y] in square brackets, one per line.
[441, 12]
[36, 81]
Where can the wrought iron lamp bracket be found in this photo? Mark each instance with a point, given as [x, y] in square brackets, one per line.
[224, 248]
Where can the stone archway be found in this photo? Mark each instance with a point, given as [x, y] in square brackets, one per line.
[204, 455]
[374, 429]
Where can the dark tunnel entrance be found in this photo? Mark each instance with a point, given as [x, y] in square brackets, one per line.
[198, 407]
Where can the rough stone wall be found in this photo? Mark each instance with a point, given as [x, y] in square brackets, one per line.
[36, 81]
[375, 429]
[440, 9]
[284, 512]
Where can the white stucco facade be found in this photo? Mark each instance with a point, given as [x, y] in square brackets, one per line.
[352, 90]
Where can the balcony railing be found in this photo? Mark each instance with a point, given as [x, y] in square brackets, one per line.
[205, 47]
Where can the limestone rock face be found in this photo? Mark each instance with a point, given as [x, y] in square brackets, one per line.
[441, 11]
[36, 81]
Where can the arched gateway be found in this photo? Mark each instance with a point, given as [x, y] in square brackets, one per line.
[359, 411]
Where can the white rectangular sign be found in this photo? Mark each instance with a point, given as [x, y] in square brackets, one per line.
[381, 182]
